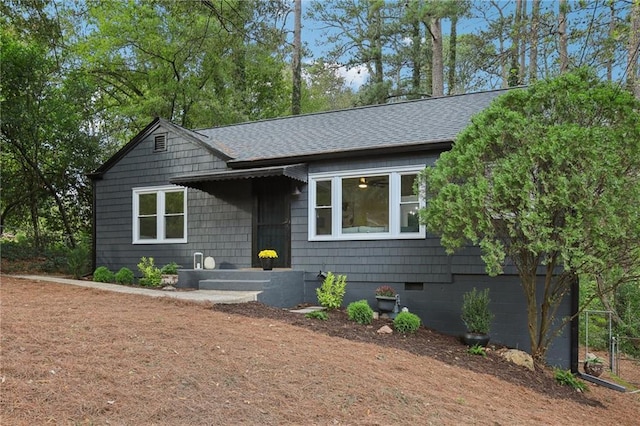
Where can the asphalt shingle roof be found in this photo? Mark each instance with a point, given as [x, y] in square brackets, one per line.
[381, 126]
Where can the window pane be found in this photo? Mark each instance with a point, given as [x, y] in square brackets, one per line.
[323, 221]
[365, 204]
[323, 193]
[174, 202]
[406, 188]
[409, 217]
[148, 229]
[174, 226]
[147, 204]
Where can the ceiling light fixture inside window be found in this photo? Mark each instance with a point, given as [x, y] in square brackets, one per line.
[363, 183]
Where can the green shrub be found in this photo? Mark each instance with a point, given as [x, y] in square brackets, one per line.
[360, 312]
[102, 274]
[406, 322]
[331, 293]
[124, 276]
[170, 269]
[477, 350]
[566, 377]
[476, 314]
[319, 315]
[78, 261]
[151, 276]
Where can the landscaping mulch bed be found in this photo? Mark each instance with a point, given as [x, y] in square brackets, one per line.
[81, 356]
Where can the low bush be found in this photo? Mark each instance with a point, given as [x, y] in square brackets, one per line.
[102, 274]
[151, 275]
[78, 261]
[477, 350]
[566, 377]
[331, 293]
[170, 269]
[406, 322]
[124, 276]
[360, 312]
[319, 315]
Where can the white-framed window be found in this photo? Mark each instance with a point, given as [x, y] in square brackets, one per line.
[160, 215]
[366, 204]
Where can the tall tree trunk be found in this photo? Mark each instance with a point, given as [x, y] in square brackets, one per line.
[453, 41]
[523, 42]
[376, 51]
[516, 30]
[563, 39]
[611, 35]
[533, 52]
[437, 83]
[296, 61]
[417, 62]
[633, 79]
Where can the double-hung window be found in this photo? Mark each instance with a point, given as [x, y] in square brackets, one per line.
[364, 205]
[160, 215]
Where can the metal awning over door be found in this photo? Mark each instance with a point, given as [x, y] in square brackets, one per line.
[196, 180]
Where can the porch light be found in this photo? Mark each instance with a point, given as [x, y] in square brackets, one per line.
[197, 260]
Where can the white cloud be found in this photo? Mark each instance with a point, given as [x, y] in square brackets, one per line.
[354, 77]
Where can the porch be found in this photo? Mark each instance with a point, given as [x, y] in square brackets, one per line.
[280, 287]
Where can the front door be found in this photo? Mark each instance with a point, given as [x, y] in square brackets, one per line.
[271, 219]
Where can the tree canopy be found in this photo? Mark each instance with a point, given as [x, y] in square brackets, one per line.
[547, 178]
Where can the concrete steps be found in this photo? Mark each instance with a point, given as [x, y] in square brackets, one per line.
[233, 284]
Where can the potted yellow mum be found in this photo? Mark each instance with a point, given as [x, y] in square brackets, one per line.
[267, 257]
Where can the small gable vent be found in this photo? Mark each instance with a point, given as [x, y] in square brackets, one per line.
[160, 143]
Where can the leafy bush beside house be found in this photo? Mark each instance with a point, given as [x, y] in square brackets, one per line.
[151, 275]
[332, 291]
[125, 276]
[102, 274]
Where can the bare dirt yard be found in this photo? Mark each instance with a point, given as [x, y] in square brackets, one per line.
[73, 355]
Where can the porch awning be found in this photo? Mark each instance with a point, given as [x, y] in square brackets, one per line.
[294, 171]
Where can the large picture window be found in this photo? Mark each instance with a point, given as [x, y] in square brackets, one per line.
[160, 215]
[366, 204]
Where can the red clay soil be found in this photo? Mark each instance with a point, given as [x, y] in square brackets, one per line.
[73, 355]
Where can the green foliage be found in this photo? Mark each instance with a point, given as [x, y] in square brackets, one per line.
[319, 315]
[628, 328]
[332, 291]
[566, 377]
[78, 261]
[625, 304]
[386, 291]
[102, 274]
[124, 276]
[477, 350]
[46, 146]
[406, 322]
[151, 276]
[476, 314]
[360, 312]
[170, 269]
[544, 176]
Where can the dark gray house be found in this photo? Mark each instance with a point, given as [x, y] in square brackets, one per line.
[331, 191]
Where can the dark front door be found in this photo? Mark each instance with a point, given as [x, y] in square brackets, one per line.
[271, 219]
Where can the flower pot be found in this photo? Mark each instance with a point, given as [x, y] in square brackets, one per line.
[593, 369]
[267, 263]
[386, 303]
[169, 279]
[473, 339]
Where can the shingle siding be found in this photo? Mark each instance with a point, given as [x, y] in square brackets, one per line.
[216, 227]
